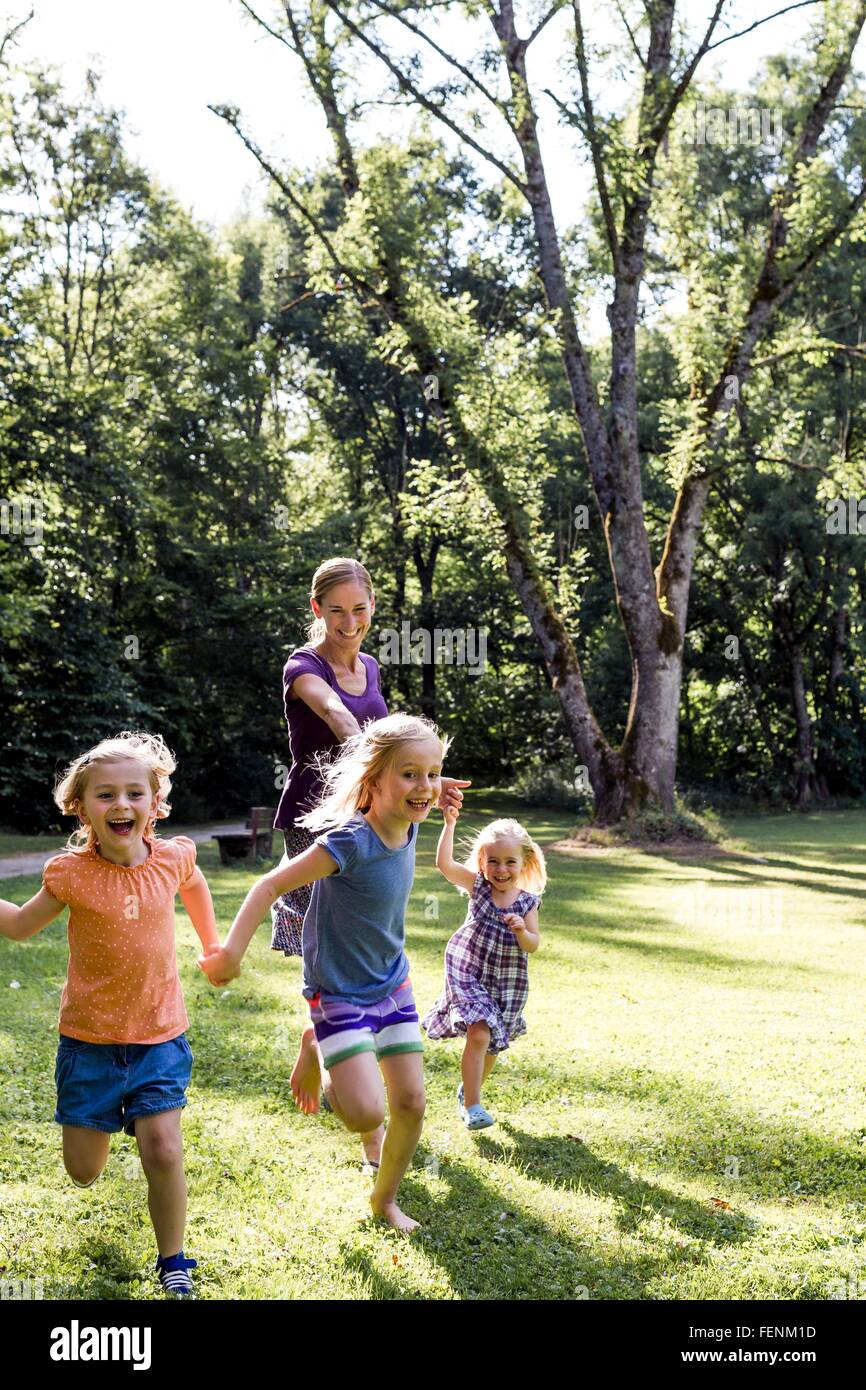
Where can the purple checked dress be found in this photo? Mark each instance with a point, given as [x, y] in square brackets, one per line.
[486, 977]
[309, 735]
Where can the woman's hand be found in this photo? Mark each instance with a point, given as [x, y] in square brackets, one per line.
[219, 966]
[451, 795]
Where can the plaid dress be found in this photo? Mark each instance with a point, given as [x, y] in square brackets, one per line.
[287, 913]
[486, 979]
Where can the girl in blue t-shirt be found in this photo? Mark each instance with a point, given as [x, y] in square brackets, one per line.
[377, 792]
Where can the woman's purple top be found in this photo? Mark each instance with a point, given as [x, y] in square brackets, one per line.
[309, 734]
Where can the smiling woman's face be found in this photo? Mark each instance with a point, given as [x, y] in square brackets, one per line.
[347, 611]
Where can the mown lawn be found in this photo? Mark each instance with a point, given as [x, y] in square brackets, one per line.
[10, 843]
[686, 1117]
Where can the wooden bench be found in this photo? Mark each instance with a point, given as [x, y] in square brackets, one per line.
[256, 842]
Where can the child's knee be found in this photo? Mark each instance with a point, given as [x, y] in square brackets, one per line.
[478, 1034]
[363, 1117]
[410, 1104]
[160, 1150]
[82, 1174]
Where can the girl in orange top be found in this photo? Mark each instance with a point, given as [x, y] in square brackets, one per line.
[123, 1061]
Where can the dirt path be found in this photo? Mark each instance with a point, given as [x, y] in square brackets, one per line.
[14, 865]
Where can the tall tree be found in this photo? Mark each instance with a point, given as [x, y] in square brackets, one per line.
[806, 214]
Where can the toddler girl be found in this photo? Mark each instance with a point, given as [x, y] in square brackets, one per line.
[486, 976]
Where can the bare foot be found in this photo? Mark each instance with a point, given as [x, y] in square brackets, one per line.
[372, 1145]
[307, 1074]
[391, 1213]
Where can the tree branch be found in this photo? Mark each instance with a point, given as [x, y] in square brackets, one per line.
[592, 136]
[545, 20]
[274, 33]
[230, 116]
[688, 73]
[449, 58]
[758, 22]
[634, 43]
[11, 34]
[806, 348]
[408, 86]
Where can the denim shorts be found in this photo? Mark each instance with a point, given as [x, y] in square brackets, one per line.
[388, 1027]
[108, 1086]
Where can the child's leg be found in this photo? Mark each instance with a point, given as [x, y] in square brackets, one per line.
[161, 1150]
[356, 1094]
[85, 1153]
[474, 1062]
[404, 1077]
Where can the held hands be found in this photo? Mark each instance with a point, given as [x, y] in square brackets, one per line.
[451, 795]
[219, 966]
[451, 813]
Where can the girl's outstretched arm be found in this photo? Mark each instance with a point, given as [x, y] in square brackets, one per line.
[198, 902]
[17, 923]
[445, 861]
[224, 963]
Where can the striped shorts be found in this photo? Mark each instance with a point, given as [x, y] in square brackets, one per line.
[388, 1027]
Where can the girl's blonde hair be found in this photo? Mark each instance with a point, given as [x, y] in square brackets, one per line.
[148, 749]
[362, 758]
[330, 573]
[533, 875]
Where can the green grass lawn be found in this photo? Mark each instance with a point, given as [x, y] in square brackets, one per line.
[11, 843]
[685, 1118]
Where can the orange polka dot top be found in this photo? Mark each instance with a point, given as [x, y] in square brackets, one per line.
[122, 984]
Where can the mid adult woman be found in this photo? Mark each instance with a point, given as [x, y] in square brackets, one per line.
[331, 688]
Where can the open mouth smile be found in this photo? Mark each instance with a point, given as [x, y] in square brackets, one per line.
[121, 827]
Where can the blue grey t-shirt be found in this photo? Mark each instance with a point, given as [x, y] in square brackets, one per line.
[354, 927]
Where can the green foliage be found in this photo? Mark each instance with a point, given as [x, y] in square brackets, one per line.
[204, 418]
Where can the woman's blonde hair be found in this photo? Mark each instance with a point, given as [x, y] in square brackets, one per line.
[330, 573]
[148, 749]
[362, 758]
[533, 875]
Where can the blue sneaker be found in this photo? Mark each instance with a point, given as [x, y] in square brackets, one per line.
[173, 1275]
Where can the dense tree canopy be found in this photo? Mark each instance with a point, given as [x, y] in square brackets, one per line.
[190, 422]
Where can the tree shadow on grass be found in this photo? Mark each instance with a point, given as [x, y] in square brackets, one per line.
[489, 1247]
[620, 939]
[845, 890]
[704, 1131]
[830, 870]
[566, 1162]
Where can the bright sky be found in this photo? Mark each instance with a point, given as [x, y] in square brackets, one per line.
[163, 61]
